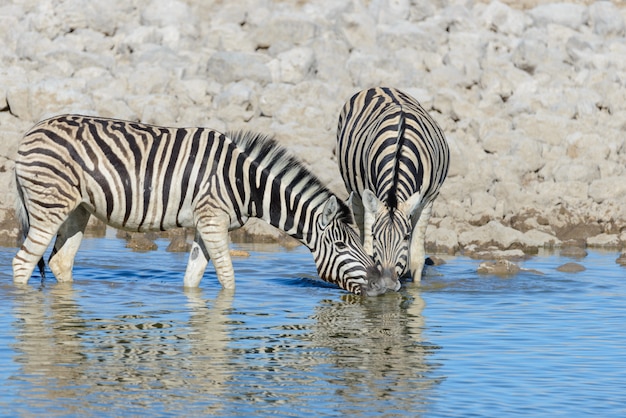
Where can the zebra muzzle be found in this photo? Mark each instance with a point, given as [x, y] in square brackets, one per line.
[380, 281]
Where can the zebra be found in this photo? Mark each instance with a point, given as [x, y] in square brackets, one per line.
[141, 177]
[393, 158]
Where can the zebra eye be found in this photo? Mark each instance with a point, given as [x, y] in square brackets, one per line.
[407, 237]
[340, 245]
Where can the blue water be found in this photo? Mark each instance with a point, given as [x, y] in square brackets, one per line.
[125, 339]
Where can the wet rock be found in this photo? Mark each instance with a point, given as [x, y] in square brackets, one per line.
[239, 253]
[442, 240]
[621, 260]
[495, 254]
[179, 244]
[499, 268]
[573, 252]
[140, 242]
[571, 268]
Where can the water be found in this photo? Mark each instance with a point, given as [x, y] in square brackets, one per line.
[125, 339]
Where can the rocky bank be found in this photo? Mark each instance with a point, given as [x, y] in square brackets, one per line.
[531, 95]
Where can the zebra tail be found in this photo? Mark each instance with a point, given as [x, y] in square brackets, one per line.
[22, 215]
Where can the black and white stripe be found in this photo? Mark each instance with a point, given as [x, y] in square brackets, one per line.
[393, 158]
[148, 178]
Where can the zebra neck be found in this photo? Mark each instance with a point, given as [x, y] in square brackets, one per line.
[287, 206]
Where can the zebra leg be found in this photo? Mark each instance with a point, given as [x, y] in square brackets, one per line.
[371, 206]
[214, 233]
[198, 260]
[418, 236]
[66, 245]
[30, 253]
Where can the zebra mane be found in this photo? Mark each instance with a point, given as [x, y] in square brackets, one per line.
[392, 198]
[279, 160]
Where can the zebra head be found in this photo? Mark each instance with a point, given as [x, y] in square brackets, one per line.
[340, 257]
[388, 232]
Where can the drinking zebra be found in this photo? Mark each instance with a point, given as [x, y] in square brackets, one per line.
[393, 158]
[148, 178]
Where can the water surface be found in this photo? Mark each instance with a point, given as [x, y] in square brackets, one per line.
[125, 339]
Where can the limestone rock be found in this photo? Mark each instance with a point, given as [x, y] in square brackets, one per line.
[606, 19]
[565, 14]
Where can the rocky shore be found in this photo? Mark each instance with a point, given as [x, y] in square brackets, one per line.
[531, 95]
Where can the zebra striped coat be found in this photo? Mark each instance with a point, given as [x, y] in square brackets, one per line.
[393, 158]
[148, 178]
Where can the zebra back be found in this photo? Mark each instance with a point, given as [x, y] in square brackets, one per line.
[389, 144]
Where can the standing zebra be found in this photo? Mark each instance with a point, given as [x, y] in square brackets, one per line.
[147, 178]
[393, 158]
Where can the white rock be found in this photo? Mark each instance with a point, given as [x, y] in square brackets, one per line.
[528, 150]
[238, 101]
[491, 233]
[357, 29]
[442, 238]
[604, 240]
[607, 188]
[54, 96]
[544, 127]
[390, 11]
[535, 238]
[294, 66]
[226, 67]
[565, 14]
[167, 12]
[529, 54]
[606, 19]
[567, 170]
[502, 18]
[294, 29]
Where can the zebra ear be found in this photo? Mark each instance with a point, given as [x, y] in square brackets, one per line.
[409, 206]
[330, 209]
[349, 201]
[371, 203]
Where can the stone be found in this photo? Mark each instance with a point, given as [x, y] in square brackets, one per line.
[167, 12]
[573, 252]
[140, 242]
[233, 66]
[501, 18]
[609, 188]
[565, 14]
[606, 19]
[238, 101]
[443, 240]
[291, 29]
[604, 240]
[239, 253]
[571, 268]
[498, 268]
[293, 66]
